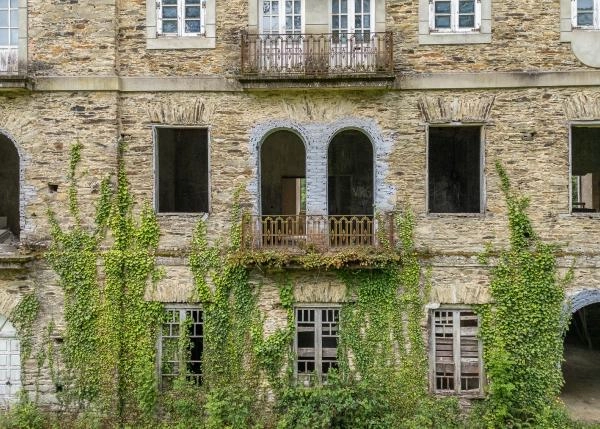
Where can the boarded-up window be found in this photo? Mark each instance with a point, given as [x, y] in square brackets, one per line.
[172, 358]
[317, 338]
[182, 167]
[457, 352]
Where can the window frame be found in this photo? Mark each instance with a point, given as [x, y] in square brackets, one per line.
[578, 124]
[281, 30]
[456, 312]
[352, 16]
[317, 377]
[182, 309]
[20, 48]
[482, 177]
[156, 39]
[155, 169]
[481, 33]
[454, 18]
[181, 5]
[596, 16]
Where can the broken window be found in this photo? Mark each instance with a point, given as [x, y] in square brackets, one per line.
[182, 165]
[585, 169]
[457, 352]
[173, 358]
[317, 338]
[454, 164]
[9, 189]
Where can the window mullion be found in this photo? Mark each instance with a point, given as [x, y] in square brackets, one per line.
[180, 17]
[318, 344]
[454, 10]
[456, 347]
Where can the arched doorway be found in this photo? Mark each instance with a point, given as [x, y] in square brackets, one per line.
[581, 366]
[350, 189]
[9, 189]
[282, 189]
[10, 362]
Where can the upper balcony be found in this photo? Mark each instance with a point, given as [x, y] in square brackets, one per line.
[332, 59]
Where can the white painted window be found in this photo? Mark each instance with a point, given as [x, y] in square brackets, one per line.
[282, 17]
[317, 338]
[9, 35]
[585, 14]
[353, 16]
[181, 17]
[456, 351]
[454, 15]
[10, 363]
[179, 321]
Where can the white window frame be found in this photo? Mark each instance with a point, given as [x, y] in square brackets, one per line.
[454, 18]
[281, 16]
[155, 39]
[181, 4]
[481, 33]
[351, 16]
[181, 309]
[456, 360]
[15, 54]
[596, 19]
[317, 376]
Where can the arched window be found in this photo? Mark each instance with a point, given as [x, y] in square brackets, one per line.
[9, 189]
[10, 362]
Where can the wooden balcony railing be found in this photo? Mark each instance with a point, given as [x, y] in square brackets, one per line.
[319, 231]
[9, 60]
[317, 54]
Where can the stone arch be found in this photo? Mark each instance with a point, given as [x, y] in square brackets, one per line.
[10, 183]
[576, 300]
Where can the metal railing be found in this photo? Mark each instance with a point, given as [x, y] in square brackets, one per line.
[317, 54]
[9, 59]
[320, 231]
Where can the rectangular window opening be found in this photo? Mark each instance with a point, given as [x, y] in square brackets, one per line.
[171, 356]
[182, 166]
[585, 169]
[454, 163]
[456, 352]
[317, 339]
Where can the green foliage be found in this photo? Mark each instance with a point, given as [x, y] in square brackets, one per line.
[523, 329]
[23, 316]
[24, 415]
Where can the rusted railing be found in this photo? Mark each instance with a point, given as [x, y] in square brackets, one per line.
[9, 59]
[317, 54]
[320, 231]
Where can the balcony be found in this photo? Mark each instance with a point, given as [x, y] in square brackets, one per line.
[11, 75]
[334, 58]
[319, 232]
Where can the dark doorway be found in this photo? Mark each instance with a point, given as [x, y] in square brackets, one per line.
[9, 188]
[350, 171]
[282, 174]
[581, 368]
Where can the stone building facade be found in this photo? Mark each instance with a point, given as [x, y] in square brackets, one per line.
[398, 82]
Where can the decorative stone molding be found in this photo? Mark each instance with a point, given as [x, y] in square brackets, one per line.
[175, 113]
[578, 299]
[582, 107]
[307, 109]
[438, 110]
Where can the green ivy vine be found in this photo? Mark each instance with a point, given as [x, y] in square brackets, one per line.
[23, 316]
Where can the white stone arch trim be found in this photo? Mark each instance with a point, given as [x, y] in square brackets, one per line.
[258, 135]
[577, 299]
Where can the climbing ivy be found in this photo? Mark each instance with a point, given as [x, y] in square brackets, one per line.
[522, 331]
[23, 317]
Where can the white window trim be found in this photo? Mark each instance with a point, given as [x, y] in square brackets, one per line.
[180, 20]
[21, 48]
[429, 35]
[568, 20]
[351, 14]
[596, 19]
[155, 40]
[282, 16]
[578, 124]
[454, 28]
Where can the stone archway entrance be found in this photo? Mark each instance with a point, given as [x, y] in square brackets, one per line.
[10, 363]
[581, 368]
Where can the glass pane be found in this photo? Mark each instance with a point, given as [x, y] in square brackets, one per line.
[3, 18]
[357, 4]
[466, 7]
[585, 18]
[442, 7]
[335, 22]
[192, 26]
[266, 24]
[3, 4]
[14, 37]
[297, 6]
[267, 7]
[367, 21]
[169, 26]
[192, 2]
[192, 12]
[169, 12]
[14, 18]
[344, 21]
[297, 22]
[366, 6]
[275, 6]
[14, 3]
[288, 7]
[466, 21]
[335, 6]
[274, 26]
[585, 5]
[442, 22]
[357, 21]
[4, 37]
[169, 2]
[288, 22]
[344, 6]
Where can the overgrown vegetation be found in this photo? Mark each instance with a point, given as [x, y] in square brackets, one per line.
[108, 371]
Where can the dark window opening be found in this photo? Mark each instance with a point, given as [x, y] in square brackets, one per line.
[182, 170]
[282, 176]
[350, 171]
[454, 169]
[585, 169]
[9, 189]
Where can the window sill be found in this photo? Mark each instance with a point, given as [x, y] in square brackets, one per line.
[200, 42]
[443, 38]
[467, 215]
[183, 214]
